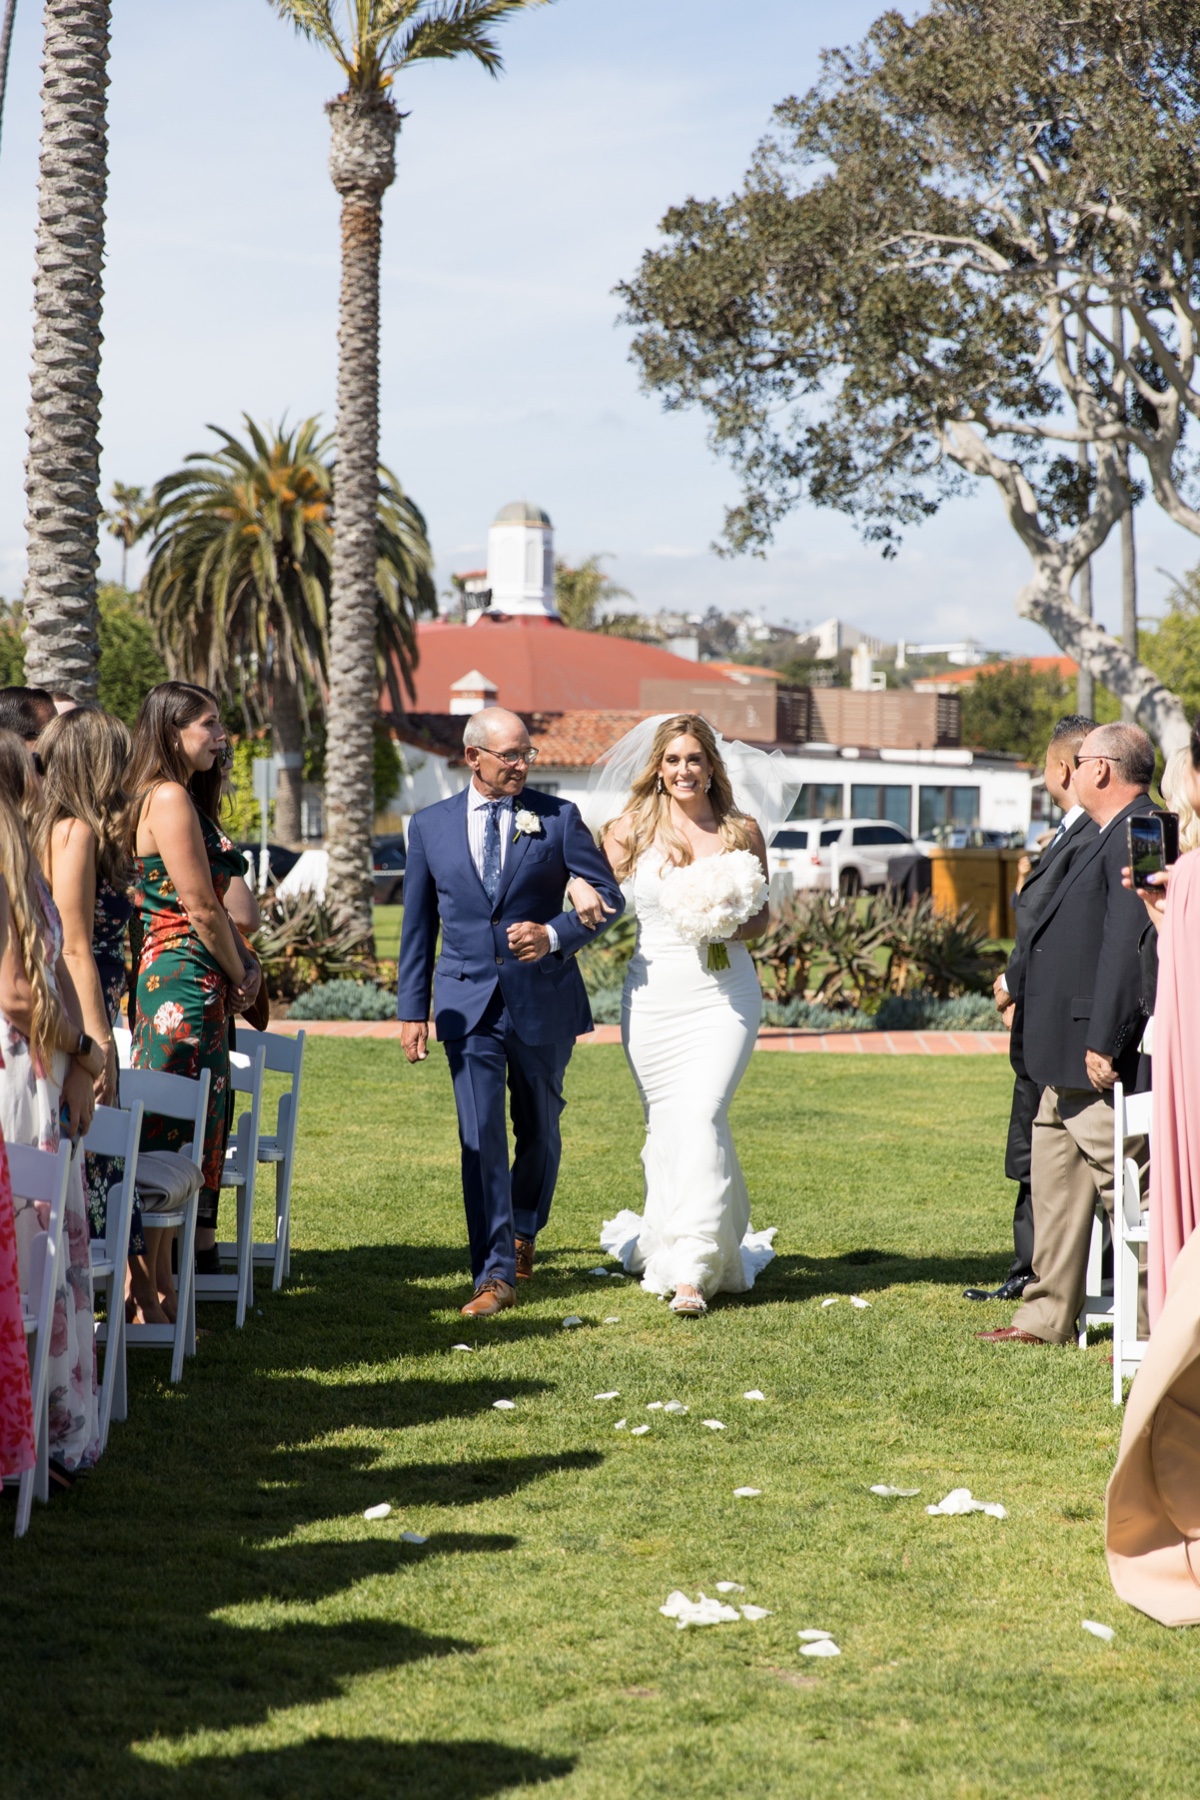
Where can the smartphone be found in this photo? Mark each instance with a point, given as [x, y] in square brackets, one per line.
[1170, 829]
[1147, 847]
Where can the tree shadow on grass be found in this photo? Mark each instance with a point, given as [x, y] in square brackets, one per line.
[863, 1271]
[366, 1769]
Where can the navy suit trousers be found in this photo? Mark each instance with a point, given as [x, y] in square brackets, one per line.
[501, 1203]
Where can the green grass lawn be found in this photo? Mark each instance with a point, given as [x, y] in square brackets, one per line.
[387, 931]
[209, 1613]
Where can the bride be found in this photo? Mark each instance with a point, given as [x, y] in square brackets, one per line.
[688, 1027]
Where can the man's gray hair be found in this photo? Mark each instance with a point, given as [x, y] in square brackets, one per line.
[1129, 751]
[481, 726]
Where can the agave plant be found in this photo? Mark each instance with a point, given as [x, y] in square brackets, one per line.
[299, 943]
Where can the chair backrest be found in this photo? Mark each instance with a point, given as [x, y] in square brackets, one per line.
[42, 1175]
[170, 1097]
[114, 1131]
[123, 1040]
[285, 1056]
[246, 1077]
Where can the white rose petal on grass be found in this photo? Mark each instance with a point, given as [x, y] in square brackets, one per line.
[570, 1320]
[813, 1637]
[832, 1301]
[753, 1394]
[754, 1613]
[639, 1431]
[701, 1611]
[462, 1346]
[857, 1300]
[713, 1424]
[378, 1512]
[1104, 1632]
[504, 1405]
[613, 1319]
[620, 1424]
[746, 1493]
[654, 1406]
[613, 1394]
[602, 1273]
[959, 1502]
[413, 1537]
[675, 1406]
[821, 1647]
[893, 1493]
[730, 1587]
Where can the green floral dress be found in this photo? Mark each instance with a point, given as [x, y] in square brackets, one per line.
[181, 1018]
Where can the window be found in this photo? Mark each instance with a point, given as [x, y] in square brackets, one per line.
[790, 840]
[941, 806]
[389, 856]
[879, 834]
[875, 801]
[833, 836]
[818, 800]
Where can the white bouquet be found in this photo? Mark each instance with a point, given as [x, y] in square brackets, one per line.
[708, 899]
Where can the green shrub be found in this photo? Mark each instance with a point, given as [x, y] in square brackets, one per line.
[344, 1000]
[606, 1005]
[603, 963]
[925, 1012]
[299, 943]
[807, 1015]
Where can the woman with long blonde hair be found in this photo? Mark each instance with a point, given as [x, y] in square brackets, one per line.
[1177, 787]
[50, 1065]
[690, 1011]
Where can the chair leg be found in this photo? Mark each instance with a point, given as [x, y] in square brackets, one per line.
[282, 1249]
[185, 1318]
[24, 1503]
[110, 1348]
[245, 1246]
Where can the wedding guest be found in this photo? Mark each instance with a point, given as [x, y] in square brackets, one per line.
[1040, 883]
[79, 839]
[26, 711]
[16, 1406]
[47, 1077]
[1083, 1026]
[190, 971]
[1179, 789]
[1174, 909]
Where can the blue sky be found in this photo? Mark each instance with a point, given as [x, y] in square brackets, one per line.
[518, 205]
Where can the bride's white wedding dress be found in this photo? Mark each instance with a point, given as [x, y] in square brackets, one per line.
[688, 1032]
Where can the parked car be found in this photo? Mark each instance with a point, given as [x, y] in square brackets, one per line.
[808, 849]
[388, 858]
[280, 860]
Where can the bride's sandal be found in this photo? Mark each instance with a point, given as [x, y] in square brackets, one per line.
[689, 1303]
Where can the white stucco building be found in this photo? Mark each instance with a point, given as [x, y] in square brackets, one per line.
[520, 562]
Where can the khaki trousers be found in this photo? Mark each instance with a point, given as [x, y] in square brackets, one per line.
[1072, 1167]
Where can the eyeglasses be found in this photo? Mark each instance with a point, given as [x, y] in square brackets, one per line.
[510, 758]
[1092, 756]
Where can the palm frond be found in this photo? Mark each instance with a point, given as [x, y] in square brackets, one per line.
[314, 20]
[453, 28]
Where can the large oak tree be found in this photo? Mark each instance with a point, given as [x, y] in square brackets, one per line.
[968, 254]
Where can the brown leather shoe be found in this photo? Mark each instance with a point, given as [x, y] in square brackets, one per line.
[1009, 1334]
[525, 1250]
[490, 1298]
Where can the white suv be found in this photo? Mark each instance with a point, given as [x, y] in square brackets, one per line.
[807, 850]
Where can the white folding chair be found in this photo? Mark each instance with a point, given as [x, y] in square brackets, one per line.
[1097, 1308]
[40, 1175]
[1131, 1118]
[115, 1133]
[240, 1173]
[173, 1097]
[285, 1056]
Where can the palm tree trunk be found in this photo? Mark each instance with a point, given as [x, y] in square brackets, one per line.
[62, 472]
[6, 31]
[287, 743]
[363, 166]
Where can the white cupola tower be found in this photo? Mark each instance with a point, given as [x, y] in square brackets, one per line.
[520, 562]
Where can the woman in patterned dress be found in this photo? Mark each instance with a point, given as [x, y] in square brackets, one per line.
[190, 973]
[47, 1082]
[79, 839]
[16, 1406]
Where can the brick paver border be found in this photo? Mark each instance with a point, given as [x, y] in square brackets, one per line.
[837, 1043]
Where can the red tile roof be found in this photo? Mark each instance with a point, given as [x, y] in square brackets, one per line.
[952, 679]
[539, 665]
[573, 740]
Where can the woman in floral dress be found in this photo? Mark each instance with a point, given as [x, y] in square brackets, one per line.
[47, 1082]
[79, 838]
[190, 973]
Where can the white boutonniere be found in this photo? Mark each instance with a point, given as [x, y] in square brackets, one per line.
[528, 823]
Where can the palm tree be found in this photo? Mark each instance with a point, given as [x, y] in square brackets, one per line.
[6, 31]
[124, 519]
[380, 38]
[62, 470]
[240, 574]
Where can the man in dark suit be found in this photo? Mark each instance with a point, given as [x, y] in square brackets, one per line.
[1083, 1020]
[487, 870]
[1074, 830]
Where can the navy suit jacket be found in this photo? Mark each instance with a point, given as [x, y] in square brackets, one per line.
[546, 1001]
[1082, 984]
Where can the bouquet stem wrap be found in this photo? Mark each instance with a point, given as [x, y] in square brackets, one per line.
[718, 956]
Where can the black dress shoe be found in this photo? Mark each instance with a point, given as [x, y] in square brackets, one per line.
[1012, 1289]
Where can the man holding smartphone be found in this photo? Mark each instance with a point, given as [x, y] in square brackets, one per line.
[1083, 1022]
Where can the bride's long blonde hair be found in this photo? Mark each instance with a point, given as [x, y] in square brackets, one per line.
[649, 809]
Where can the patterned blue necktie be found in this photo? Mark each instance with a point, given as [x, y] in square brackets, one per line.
[491, 849]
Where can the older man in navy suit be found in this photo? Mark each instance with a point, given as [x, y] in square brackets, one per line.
[491, 865]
